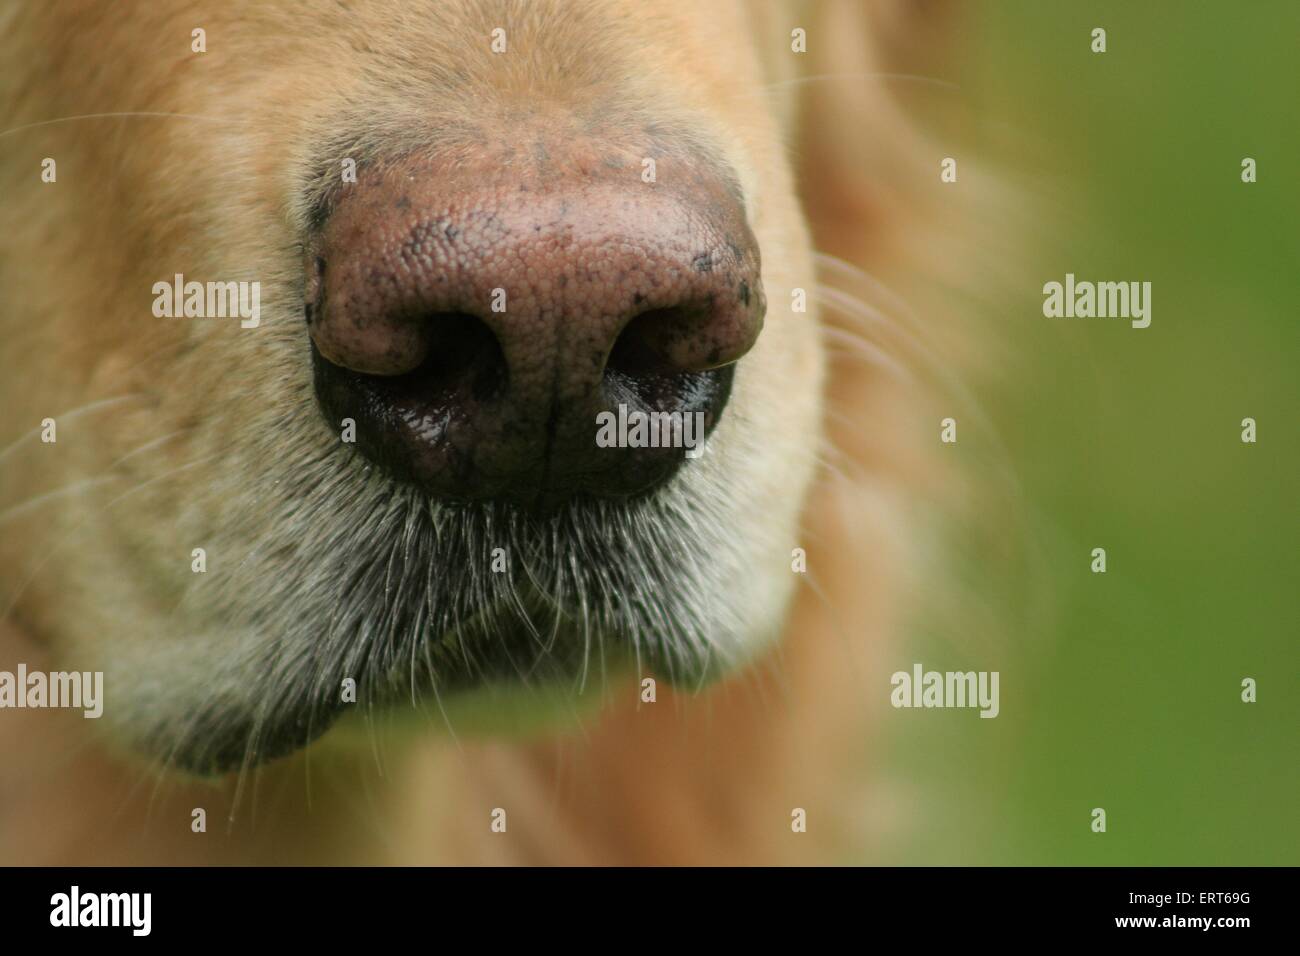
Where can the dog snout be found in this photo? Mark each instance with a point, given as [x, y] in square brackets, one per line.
[477, 319]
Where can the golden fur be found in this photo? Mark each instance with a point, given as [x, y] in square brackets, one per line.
[197, 163]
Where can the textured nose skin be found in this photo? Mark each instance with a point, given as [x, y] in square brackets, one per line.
[475, 318]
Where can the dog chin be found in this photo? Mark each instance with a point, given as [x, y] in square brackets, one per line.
[476, 617]
[521, 682]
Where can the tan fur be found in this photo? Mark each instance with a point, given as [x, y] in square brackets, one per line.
[216, 191]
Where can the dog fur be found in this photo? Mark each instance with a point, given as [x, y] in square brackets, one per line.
[175, 435]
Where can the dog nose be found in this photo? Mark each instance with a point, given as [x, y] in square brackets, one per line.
[531, 331]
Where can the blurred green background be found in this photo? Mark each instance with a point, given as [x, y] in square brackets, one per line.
[1123, 690]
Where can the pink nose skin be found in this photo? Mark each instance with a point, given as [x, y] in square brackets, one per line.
[475, 318]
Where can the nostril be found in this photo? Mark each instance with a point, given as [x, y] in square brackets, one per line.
[464, 368]
[640, 347]
[464, 364]
[464, 358]
[694, 337]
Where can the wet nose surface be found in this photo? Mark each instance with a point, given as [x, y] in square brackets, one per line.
[476, 319]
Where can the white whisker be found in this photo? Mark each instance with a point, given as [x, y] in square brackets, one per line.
[76, 487]
[125, 114]
[67, 416]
